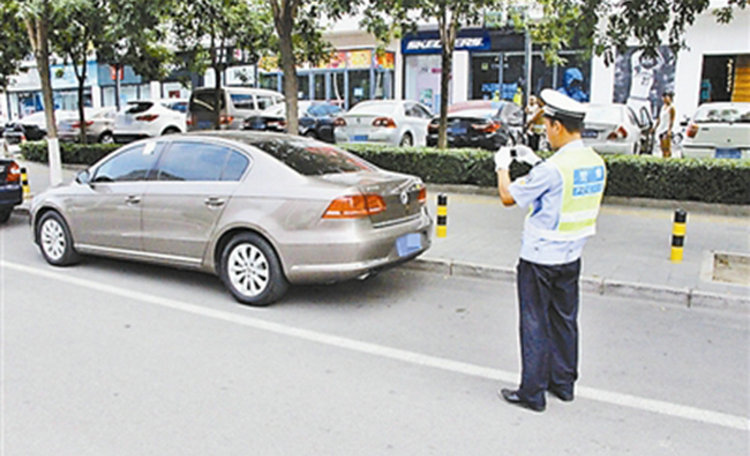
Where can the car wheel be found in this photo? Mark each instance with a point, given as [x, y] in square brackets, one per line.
[55, 240]
[406, 140]
[107, 138]
[170, 131]
[5, 214]
[311, 134]
[251, 270]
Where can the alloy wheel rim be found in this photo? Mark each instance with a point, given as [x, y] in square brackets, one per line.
[53, 239]
[248, 270]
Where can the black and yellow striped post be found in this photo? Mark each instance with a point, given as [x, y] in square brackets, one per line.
[442, 215]
[678, 235]
[25, 183]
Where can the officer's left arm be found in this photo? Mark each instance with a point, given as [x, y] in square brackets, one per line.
[503, 187]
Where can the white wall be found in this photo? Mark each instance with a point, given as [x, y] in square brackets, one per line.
[460, 79]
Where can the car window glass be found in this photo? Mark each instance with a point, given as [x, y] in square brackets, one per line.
[310, 158]
[422, 112]
[722, 114]
[192, 161]
[179, 106]
[130, 165]
[235, 167]
[266, 101]
[205, 101]
[138, 107]
[242, 101]
[375, 108]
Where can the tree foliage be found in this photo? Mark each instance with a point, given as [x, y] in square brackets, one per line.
[14, 38]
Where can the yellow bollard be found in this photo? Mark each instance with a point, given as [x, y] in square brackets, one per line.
[25, 184]
[678, 235]
[442, 215]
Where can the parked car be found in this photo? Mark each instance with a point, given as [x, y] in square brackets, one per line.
[32, 127]
[719, 130]
[260, 210]
[397, 122]
[616, 129]
[315, 119]
[480, 123]
[100, 124]
[235, 105]
[11, 191]
[148, 118]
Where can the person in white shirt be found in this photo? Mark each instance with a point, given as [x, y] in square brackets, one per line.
[665, 123]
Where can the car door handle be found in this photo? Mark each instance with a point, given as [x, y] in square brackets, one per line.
[132, 199]
[214, 202]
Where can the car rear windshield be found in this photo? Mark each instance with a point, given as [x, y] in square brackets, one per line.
[205, 100]
[722, 114]
[311, 158]
[373, 108]
[136, 107]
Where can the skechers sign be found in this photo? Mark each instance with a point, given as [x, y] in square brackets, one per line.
[423, 45]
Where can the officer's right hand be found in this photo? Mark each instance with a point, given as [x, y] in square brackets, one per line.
[503, 158]
[525, 154]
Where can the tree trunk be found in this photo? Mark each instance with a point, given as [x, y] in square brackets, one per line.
[81, 111]
[284, 21]
[448, 30]
[37, 30]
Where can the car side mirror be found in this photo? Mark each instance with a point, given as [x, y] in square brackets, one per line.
[83, 177]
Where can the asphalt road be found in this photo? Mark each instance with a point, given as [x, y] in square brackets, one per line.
[118, 358]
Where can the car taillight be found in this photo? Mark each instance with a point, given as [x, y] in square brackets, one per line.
[78, 124]
[147, 117]
[190, 121]
[620, 133]
[355, 206]
[692, 131]
[386, 122]
[489, 127]
[225, 120]
[433, 127]
[277, 123]
[422, 198]
[13, 173]
[339, 122]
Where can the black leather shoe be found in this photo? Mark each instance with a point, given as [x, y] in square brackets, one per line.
[564, 396]
[512, 397]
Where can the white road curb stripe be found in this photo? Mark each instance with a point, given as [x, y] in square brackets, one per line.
[625, 400]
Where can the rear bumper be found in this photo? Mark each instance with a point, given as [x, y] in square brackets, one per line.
[10, 195]
[357, 255]
[384, 136]
[703, 151]
[122, 138]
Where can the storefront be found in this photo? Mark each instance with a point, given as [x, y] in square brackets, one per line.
[24, 93]
[494, 61]
[350, 76]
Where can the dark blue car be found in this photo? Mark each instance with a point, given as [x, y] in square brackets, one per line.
[315, 119]
[11, 191]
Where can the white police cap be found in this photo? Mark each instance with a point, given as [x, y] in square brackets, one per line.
[557, 104]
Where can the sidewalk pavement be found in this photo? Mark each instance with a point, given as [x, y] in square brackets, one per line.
[629, 256]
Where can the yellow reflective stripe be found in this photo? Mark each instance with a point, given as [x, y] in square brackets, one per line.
[679, 229]
[578, 216]
[575, 226]
[442, 210]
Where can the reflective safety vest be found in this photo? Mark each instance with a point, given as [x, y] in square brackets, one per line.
[584, 176]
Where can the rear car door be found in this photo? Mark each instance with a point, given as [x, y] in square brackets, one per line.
[190, 188]
[418, 117]
[107, 215]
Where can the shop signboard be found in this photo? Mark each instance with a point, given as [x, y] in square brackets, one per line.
[431, 44]
[359, 59]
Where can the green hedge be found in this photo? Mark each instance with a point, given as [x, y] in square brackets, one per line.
[707, 180]
[71, 153]
[710, 180]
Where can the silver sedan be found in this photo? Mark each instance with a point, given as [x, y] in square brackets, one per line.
[260, 210]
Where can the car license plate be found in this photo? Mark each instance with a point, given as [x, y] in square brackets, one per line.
[457, 131]
[589, 134]
[408, 244]
[728, 153]
[359, 138]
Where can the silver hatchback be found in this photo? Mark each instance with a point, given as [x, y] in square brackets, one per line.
[259, 210]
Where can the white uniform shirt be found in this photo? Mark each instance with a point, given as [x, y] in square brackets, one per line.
[541, 190]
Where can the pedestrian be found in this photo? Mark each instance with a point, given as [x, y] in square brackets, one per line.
[564, 193]
[665, 123]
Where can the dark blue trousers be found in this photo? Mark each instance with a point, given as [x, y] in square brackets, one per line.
[548, 305]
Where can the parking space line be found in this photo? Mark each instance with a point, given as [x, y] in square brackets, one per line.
[419, 359]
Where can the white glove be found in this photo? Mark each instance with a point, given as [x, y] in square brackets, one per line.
[525, 154]
[503, 158]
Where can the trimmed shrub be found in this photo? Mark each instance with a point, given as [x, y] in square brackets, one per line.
[71, 153]
[706, 180]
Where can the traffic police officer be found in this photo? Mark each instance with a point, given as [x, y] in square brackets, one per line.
[564, 194]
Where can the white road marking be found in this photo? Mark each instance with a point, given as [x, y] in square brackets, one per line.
[625, 400]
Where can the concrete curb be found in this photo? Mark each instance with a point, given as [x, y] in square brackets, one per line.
[681, 297]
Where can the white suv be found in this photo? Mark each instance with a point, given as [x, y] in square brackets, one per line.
[148, 118]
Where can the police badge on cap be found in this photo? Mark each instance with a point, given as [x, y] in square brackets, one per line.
[558, 105]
